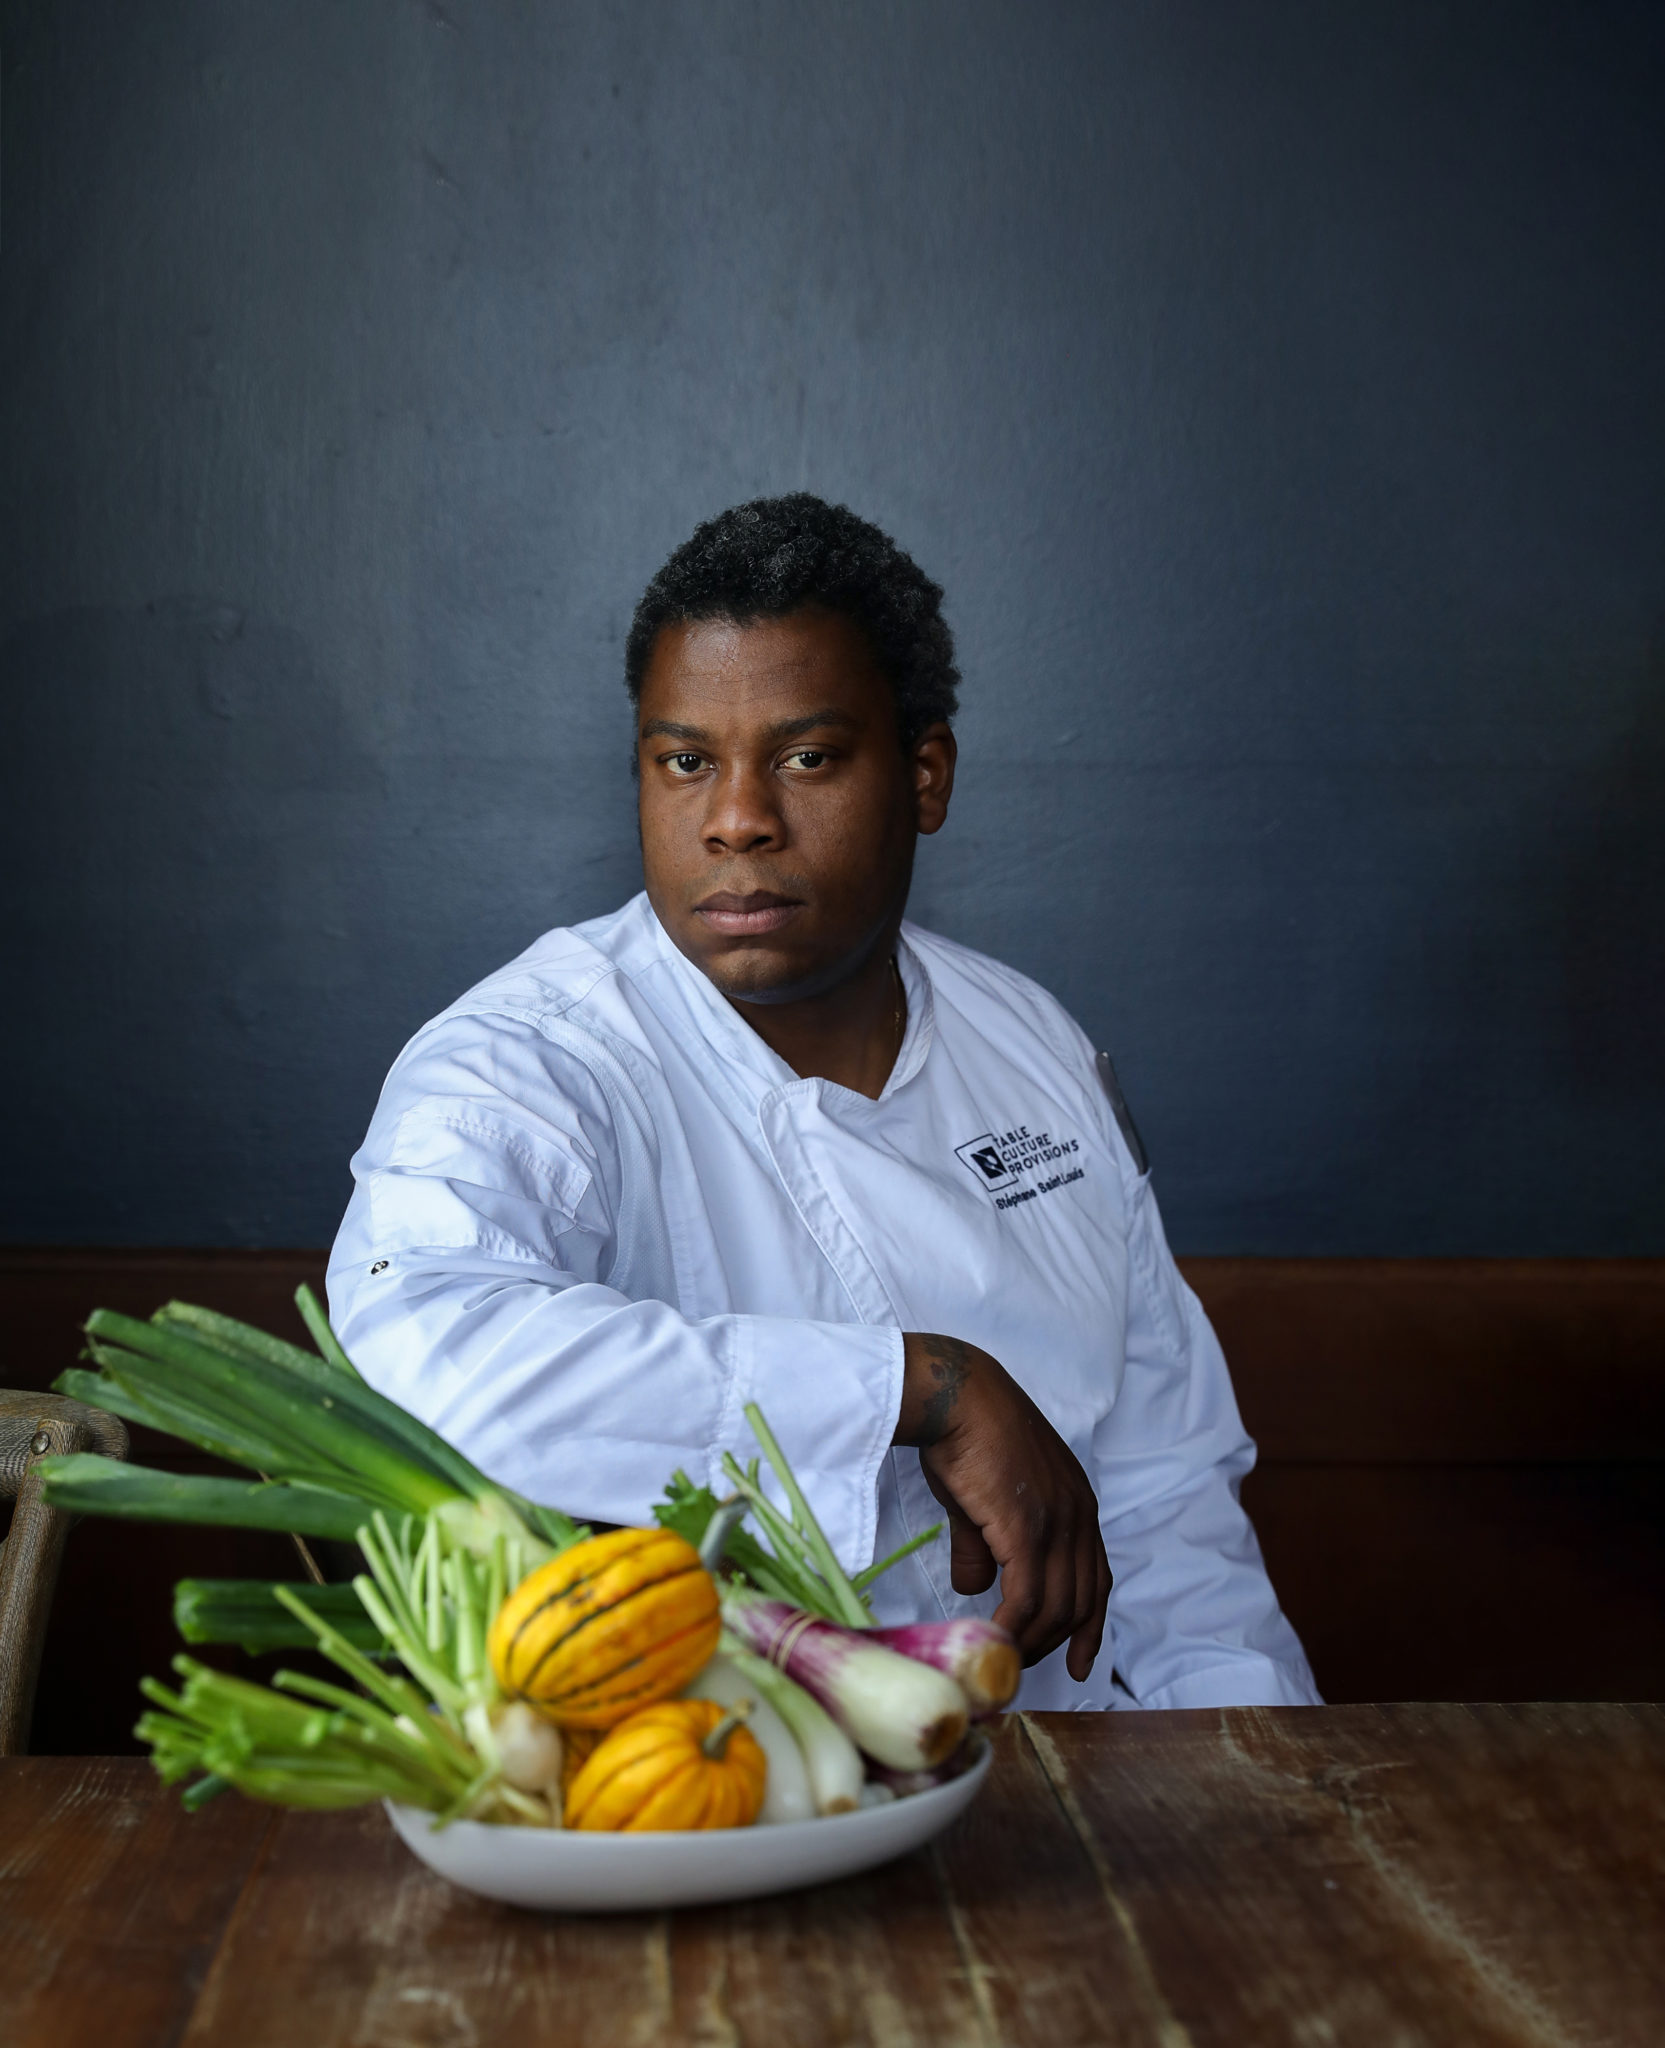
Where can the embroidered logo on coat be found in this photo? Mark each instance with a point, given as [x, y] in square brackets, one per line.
[982, 1155]
[999, 1160]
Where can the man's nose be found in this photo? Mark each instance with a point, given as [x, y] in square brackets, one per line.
[743, 816]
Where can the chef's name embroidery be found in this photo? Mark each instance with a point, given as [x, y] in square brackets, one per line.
[1007, 1162]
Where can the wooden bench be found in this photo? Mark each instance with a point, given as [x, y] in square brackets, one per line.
[1461, 1488]
[1459, 1492]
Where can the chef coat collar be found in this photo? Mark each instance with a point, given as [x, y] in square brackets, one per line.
[725, 1029]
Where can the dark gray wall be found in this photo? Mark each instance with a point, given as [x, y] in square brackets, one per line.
[1275, 388]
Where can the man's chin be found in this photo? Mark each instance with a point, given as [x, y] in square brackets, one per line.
[752, 971]
[753, 974]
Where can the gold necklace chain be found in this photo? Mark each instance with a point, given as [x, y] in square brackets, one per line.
[900, 1019]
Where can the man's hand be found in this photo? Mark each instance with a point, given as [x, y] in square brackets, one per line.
[1018, 1501]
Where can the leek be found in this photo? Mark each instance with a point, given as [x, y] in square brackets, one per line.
[329, 1450]
[248, 1613]
[86, 1484]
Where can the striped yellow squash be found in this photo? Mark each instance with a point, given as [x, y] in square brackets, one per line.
[615, 1623]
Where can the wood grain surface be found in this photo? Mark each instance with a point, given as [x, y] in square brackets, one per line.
[1484, 1877]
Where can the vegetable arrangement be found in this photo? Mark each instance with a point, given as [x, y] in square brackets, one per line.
[502, 1663]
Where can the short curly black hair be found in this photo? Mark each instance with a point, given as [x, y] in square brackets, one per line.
[773, 556]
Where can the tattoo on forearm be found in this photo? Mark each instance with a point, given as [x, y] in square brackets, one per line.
[950, 1365]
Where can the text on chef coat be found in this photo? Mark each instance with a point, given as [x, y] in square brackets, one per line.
[1000, 1161]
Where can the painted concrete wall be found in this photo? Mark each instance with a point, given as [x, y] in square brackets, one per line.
[1276, 389]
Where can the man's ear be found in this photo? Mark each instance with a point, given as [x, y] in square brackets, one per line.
[931, 758]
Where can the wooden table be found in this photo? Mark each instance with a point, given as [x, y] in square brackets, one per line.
[1371, 1877]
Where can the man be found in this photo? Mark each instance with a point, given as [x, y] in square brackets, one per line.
[753, 1137]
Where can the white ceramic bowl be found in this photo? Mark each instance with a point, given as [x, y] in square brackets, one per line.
[607, 1873]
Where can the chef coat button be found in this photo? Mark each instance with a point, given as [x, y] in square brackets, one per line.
[379, 1267]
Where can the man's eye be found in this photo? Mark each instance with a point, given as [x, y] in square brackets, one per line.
[684, 764]
[808, 758]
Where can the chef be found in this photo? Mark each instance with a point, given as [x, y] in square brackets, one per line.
[756, 1137]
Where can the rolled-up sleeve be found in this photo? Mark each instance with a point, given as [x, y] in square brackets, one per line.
[471, 1282]
[1194, 1621]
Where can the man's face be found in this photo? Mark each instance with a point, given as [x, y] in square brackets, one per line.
[778, 808]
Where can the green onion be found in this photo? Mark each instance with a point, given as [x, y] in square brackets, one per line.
[805, 1529]
[689, 1510]
[906, 1713]
[803, 1568]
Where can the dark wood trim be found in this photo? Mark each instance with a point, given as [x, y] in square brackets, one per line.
[1444, 1361]
[1336, 1361]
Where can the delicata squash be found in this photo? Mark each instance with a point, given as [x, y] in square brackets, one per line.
[682, 1764]
[612, 1624]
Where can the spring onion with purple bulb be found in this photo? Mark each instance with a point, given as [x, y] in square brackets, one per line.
[906, 1714]
[981, 1658]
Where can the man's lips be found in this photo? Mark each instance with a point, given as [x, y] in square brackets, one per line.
[747, 916]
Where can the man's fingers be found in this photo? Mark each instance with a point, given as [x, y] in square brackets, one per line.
[971, 1561]
[1037, 1578]
[1065, 1596]
[1083, 1652]
[1064, 1591]
[972, 1564]
[1042, 1537]
[1092, 1578]
[1022, 1598]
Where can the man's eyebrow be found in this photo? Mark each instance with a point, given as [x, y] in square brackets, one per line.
[664, 729]
[795, 728]
[787, 729]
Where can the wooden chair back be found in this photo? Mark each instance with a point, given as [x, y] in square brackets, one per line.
[32, 1427]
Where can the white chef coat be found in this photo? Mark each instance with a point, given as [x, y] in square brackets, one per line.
[595, 1215]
